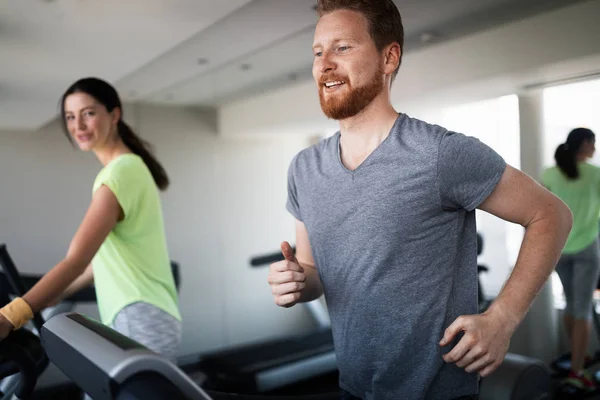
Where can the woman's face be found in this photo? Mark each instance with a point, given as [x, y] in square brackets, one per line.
[88, 121]
[588, 148]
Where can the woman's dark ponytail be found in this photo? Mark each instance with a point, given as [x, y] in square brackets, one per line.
[106, 94]
[566, 154]
[143, 149]
[566, 160]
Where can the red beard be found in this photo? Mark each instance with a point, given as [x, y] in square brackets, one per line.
[344, 105]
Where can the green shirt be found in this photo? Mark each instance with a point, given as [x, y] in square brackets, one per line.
[133, 264]
[583, 198]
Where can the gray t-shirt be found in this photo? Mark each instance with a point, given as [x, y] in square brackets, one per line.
[395, 246]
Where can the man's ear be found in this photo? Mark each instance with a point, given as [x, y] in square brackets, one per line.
[392, 53]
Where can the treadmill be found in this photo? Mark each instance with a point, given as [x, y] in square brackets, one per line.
[22, 350]
[267, 366]
[108, 365]
[22, 357]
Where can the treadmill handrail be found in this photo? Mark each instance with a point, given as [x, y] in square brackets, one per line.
[14, 279]
[260, 261]
[25, 364]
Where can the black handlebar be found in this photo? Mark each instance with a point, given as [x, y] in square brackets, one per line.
[20, 352]
[259, 261]
[17, 357]
[14, 279]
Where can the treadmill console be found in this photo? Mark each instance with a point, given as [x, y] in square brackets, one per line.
[108, 365]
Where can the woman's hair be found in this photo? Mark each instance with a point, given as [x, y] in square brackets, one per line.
[566, 154]
[104, 93]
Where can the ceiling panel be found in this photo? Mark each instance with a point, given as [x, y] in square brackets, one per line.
[150, 49]
[289, 60]
[275, 65]
[47, 44]
[257, 26]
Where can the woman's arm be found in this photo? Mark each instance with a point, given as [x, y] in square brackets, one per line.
[82, 281]
[103, 214]
[101, 217]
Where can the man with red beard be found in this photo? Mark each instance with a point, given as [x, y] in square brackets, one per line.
[386, 230]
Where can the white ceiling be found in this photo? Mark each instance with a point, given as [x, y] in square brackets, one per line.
[188, 52]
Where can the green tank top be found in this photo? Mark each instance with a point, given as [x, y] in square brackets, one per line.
[133, 264]
[583, 198]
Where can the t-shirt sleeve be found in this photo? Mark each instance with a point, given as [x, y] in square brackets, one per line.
[292, 204]
[468, 171]
[122, 180]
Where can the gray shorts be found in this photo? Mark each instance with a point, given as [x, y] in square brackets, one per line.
[150, 326]
[579, 274]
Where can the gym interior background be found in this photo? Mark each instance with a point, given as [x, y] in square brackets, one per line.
[223, 91]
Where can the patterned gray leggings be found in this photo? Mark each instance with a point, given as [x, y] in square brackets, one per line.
[151, 327]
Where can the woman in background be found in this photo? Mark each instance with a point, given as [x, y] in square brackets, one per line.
[122, 234]
[577, 183]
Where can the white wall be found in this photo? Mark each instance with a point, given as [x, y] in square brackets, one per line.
[226, 203]
[557, 44]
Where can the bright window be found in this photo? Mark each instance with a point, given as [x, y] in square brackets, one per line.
[567, 107]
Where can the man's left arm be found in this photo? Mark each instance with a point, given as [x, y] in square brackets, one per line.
[547, 221]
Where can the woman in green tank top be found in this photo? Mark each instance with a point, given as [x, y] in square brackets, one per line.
[120, 244]
[577, 183]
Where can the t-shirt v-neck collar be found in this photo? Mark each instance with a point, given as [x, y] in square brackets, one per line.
[370, 157]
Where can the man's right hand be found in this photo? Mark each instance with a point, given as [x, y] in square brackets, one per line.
[287, 278]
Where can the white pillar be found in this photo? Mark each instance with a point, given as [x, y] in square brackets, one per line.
[537, 336]
[531, 115]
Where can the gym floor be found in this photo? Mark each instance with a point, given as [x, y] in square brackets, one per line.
[325, 385]
[562, 395]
